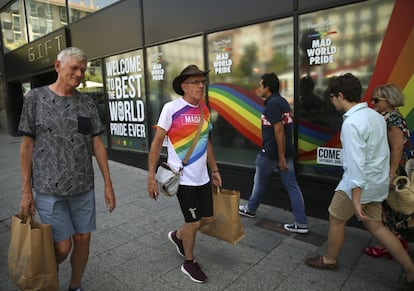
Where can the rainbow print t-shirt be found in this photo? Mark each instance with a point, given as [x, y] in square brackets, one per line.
[181, 120]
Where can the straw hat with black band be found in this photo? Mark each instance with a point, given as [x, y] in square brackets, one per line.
[191, 70]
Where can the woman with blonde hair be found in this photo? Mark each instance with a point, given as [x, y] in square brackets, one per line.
[386, 99]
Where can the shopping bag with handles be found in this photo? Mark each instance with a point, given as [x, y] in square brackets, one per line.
[227, 225]
[31, 255]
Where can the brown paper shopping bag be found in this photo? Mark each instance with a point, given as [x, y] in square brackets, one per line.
[31, 256]
[227, 225]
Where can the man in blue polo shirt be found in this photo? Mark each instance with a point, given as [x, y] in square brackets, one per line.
[277, 152]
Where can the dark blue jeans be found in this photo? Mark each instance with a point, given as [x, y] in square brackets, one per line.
[264, 169]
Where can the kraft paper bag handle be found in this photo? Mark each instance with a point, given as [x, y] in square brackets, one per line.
[218, 190]
[30, 219]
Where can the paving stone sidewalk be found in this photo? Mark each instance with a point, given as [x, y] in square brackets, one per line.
[130, 249]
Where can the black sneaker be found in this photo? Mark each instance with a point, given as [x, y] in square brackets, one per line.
[293, 227]
[172, 236]
[194, 271]
[243, 210]
[75, 289]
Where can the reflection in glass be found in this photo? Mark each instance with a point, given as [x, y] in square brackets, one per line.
[81, 8]
[164, 63]
[333, 42]
[92, 85]
[26, 87]
[13, 26]
[44, 17]
[237, 59]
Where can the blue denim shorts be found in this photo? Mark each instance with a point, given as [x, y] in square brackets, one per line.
[67, 214]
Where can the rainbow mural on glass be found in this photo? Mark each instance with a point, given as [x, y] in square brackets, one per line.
[240, 107]
[395, 64]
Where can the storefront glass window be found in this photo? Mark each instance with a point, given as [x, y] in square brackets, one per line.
[43, 17]
[333, 42]
[81, 8]
[164, 63]
[124, 80]
[237, 59]
[94, 87]
[13, 26]
[26, 87]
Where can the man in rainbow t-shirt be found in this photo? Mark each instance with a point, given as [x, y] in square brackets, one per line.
[179, 121]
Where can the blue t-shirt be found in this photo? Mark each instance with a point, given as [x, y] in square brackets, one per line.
[276, 109]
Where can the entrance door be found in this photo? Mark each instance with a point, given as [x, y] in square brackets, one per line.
[16, 90]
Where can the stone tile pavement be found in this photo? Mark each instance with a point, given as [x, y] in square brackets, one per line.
[130, 249]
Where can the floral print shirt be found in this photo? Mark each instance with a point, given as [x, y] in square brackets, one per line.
[395, 118]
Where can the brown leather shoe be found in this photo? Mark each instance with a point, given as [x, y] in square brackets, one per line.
[317, 263]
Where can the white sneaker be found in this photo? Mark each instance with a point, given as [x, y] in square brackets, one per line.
[293, 227]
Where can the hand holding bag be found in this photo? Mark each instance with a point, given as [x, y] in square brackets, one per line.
[227, 225]
[401, 199]
[31, 255]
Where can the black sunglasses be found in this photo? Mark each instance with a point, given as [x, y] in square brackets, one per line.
[376, 100]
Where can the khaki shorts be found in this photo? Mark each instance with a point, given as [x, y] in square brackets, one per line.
[341, 207]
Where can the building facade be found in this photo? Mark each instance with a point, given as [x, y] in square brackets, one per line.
[137, 47]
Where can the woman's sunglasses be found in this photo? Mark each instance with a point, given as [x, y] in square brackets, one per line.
[376, 100]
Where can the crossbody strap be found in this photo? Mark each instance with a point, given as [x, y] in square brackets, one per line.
[197, 136]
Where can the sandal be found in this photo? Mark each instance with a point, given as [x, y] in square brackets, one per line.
[375, 252]
[317, 263]
[378, 252]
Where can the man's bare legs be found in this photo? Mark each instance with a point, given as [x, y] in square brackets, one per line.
[336, 238]
[79, 257]
[187, 234]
